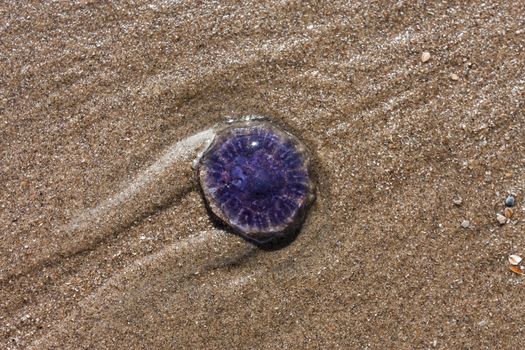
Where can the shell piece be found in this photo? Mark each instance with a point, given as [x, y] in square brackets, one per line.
[256, 178]
[425, 56]
[517, 269]
[502, 220]
[514, 259]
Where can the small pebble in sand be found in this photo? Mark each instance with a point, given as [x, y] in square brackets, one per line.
[508, 213]
[514, 259]
[457, 201]
[454, 76]
[465, 224]
[510, 201]
[501, 218]
[425, 56]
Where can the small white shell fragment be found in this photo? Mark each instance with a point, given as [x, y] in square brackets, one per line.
[465, 224]
[501, 219]
[457, 201]
[425, 56]
[514, 259]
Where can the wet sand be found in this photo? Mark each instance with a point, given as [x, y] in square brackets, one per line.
[106, 242]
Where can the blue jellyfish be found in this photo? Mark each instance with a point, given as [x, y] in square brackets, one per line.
[256, 178]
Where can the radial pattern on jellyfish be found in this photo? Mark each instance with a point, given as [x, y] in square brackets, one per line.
[256, 178]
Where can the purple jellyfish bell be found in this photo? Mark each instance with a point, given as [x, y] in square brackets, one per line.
[256, 179]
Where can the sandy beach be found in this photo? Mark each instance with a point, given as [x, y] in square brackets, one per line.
[414, 113]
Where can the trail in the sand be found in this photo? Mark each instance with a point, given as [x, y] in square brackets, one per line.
[159, 184]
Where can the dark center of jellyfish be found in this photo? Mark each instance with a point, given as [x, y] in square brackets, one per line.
[256, 177]
[262, 182]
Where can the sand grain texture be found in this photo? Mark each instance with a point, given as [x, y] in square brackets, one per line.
[106, 243]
